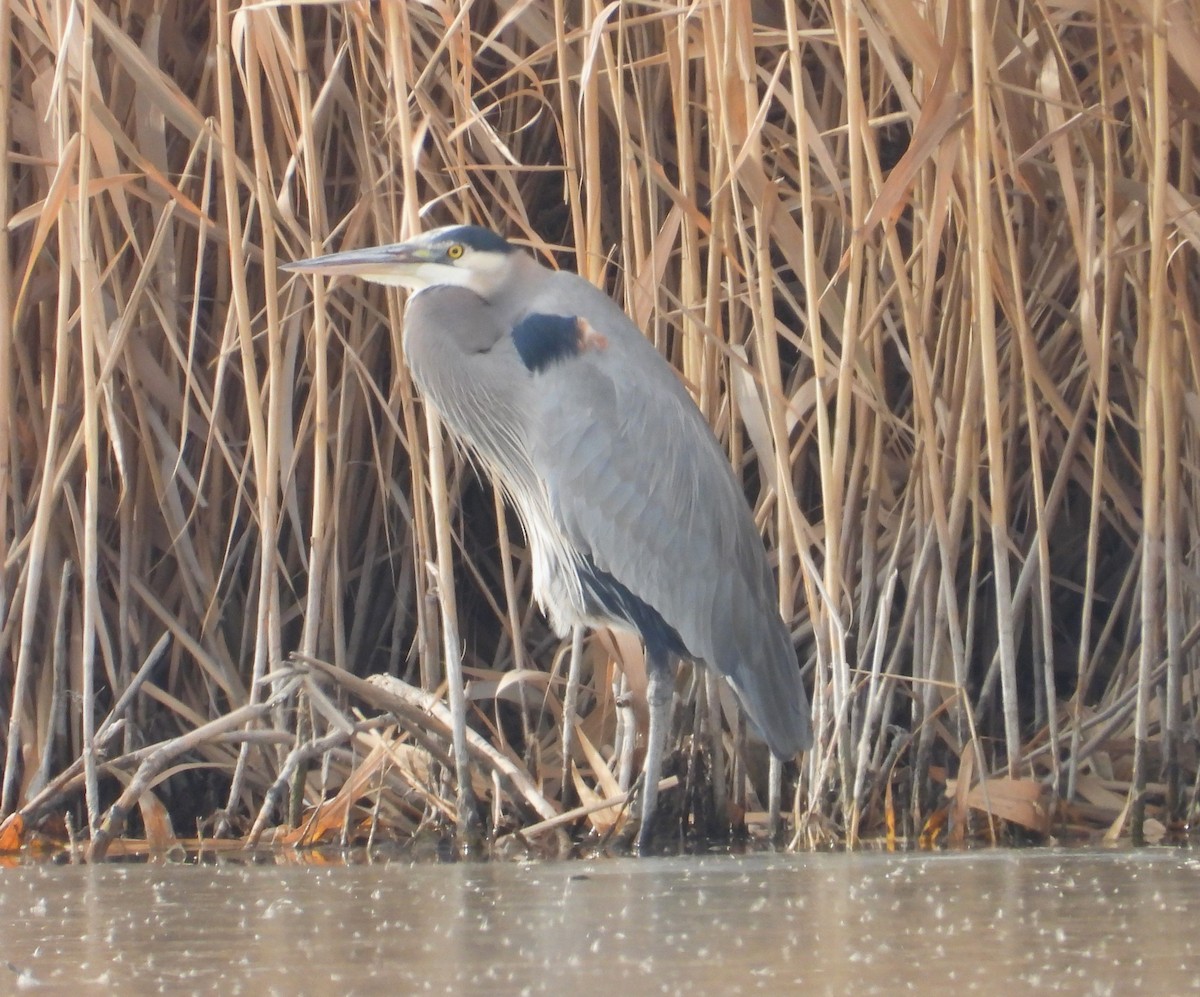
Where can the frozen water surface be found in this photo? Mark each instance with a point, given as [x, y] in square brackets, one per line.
[990, 922]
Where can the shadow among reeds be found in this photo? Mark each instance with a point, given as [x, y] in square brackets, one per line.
[932, 279]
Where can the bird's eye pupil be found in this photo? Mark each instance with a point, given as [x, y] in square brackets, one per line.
[455, 251]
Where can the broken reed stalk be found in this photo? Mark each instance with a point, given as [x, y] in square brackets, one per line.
[929, 273]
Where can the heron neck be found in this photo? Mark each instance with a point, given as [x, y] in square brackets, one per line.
[513, 297]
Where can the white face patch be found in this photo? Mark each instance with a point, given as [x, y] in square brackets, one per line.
[484, 272]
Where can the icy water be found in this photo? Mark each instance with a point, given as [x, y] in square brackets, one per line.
[991, 922]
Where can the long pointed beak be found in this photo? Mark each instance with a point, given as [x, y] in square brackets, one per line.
[386, 264]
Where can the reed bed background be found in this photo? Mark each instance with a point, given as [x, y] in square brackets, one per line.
[930, 270]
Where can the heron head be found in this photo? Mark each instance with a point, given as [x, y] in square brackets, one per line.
[458, 255]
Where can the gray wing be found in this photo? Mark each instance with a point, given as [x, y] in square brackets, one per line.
[637, 480]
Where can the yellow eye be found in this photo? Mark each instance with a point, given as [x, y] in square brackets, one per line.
[455, 251]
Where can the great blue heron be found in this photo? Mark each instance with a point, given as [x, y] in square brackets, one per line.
[629, 504]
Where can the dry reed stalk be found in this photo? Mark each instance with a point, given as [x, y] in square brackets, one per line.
[929, 270]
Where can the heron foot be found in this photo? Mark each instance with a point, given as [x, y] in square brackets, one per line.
[636, 835]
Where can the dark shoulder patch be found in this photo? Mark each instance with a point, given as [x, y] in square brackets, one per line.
[545, 339]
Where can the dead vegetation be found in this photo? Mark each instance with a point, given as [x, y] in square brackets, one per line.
[930, 269]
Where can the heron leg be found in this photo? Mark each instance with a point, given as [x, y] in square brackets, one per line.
[570, 705]
[720, 802]
[659, 690]
[774, 792]
[626, 731]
